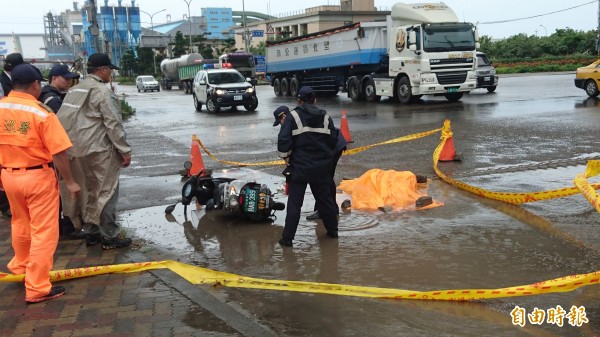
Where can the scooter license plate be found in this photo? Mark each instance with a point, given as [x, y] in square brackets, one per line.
[250, 201]
[237, 97]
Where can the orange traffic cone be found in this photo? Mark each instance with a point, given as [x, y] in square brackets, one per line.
[344, 128]
[196, 157]
[448, 152]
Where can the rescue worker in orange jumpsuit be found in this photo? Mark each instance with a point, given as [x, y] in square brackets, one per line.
[32, 141]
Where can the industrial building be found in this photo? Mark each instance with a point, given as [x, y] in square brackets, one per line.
[77, 32]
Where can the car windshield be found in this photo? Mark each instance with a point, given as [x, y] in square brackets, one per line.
[225, 77]
[482, 60]
[148, 78]
[448, 37]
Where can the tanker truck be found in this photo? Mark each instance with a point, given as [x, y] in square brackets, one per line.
[180, 71]
[421, 49]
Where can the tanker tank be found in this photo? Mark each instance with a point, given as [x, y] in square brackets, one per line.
[169, 68]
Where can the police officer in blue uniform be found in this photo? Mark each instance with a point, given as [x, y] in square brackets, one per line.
[307, 141]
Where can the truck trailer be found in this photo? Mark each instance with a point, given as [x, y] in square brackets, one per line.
[171, 69]
[421, 49]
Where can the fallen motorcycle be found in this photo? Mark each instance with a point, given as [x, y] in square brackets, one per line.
[247, 198]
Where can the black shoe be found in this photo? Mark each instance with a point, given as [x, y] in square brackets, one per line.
[333, 235]
[55, 292]
[313, 216]
[113, 243]
[286, 242]
[92, 239]
[76, 235]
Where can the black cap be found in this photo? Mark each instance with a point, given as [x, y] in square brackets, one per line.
[98, 60]
[277, 113]
[12, 60]
[62, 70]
[306, 94]
[26, 73]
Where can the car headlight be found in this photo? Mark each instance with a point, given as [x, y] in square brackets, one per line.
[472, 76]
[493, 72]
[249, 90]
[220, 92]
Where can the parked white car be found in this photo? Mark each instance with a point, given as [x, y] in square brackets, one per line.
[146, 82]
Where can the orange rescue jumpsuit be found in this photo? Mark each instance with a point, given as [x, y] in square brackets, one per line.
[30, 135]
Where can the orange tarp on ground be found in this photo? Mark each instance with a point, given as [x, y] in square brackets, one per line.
[377, 188]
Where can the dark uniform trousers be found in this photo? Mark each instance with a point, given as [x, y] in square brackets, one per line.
[327, 206]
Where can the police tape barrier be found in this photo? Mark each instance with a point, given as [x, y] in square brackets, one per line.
[582, 184]
[446, 133]
[235, 163]
[199, 275]
[513, 198]
[392, 141]
[346, 153]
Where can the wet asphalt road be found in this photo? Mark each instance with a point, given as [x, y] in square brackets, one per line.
[534, 133]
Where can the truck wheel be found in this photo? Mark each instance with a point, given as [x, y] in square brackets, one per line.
[354, 90]
[197, 104]
[285, 86]
[252, 106]
[294, 86]
[212, 106]
[277, 87]
[591, 88]
[404, 90]
[370, 91]
[454, 97]
[491, 89]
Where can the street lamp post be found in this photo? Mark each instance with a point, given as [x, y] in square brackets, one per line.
[152, 28]
[246, 33]
[545, 30]
[188, 2]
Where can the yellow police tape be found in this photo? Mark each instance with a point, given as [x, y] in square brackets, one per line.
[582, 184]
[199, 275]
[346, 153]
[513, 198]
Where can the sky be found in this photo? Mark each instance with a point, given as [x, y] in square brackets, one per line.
[537, 17]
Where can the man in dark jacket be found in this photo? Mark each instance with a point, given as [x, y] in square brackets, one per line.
[52, 95]
[307, 141]
[11, 61]
[60, 81]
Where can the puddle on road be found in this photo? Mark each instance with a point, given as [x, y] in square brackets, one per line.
[465, 244]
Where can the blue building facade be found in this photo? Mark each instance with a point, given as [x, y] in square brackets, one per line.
[218, 21]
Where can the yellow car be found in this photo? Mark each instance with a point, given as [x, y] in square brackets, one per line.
[588, 78]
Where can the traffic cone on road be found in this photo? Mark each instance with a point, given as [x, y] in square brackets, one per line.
[344, 128]
[448, 152]
[196, 157]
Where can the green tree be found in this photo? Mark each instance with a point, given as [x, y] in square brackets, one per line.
[179, 46]
[260, 49]
[129, 64]
[228, 46]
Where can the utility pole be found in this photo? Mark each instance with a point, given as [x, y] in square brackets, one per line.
[152, 29]
[94, 29]
[246, 32]
[188, 2]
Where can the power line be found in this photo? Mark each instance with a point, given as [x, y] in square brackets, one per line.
[535, 16]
